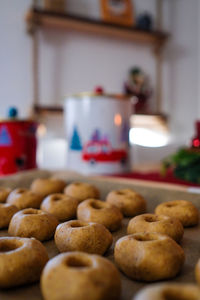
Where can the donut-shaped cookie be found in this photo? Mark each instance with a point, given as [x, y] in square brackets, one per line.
[98, 211]
[6, 213]
[63, 207]
[81, 191]
[148, 256]
[35, 223]
[78, 275]
[169, 291]
[197, 271]
[47, 186]
[156, 223]
[24, 198]
[21, 261]
[4, 192]
[128, 201]
[183, 210]
[82, 236]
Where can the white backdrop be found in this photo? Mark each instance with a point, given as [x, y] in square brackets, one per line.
[73, 62]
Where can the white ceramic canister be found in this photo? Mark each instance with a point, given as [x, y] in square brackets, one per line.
[97, 127]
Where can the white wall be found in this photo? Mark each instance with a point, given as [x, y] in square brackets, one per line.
[182, 55]
[72, 62]
[15, 57]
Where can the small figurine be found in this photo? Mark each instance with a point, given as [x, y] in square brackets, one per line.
[138, 85]
[144, 22]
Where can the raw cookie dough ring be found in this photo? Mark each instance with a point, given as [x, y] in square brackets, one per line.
[47, 186]
[61, 206]
[78, 275]
[24, 198]
[35, 223]
[98, 211]
[21, 261]
[82, 236]
[184, 210]
[6, 213]
[169, 291]
[81, 191]
[156, 223]
[148, 256]
[4, 192]
[128, 201]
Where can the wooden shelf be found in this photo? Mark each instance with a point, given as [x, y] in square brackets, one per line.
[46, 109]
[38, 18]
[43, 18]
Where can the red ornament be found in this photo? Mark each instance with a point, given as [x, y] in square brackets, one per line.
[196, 138]
[99, 90]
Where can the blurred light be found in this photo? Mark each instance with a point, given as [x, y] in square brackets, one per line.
[51, 153]
[148, 137]
[41, 130]
[149, 131]
[118, 120]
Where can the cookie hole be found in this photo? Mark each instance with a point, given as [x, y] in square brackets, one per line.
[57, 198]
[171, 204]
[120, 193]
[151, 219]
[31, 211]
[77, 224]
[21, 191]
[145, 238]
[7, 246]
[98, 205]
[78, 262]
[176, 294]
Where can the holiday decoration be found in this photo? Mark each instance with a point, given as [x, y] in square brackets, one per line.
[138, 84]
[144, 22]
[117, 11]
[185, 164]
[96, 136]
[75, 141]
[196, 139]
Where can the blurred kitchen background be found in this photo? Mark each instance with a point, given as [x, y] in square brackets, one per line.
[40, 65]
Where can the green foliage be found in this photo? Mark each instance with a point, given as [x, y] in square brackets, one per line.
[185, 164]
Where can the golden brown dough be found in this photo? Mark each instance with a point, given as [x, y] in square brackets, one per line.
[197, 272]
[81, 191]
[148, 256]
[24, 198]
[98, 211]
[35, 223]
[156, 223]
[78, 275]
[4, 192]
[63, 207]
[47, 186]
[128, 201]
[169, 291]
[6, 213]
[21, 261]
[183, 210]
[83, 236]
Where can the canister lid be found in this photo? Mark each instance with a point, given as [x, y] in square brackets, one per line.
[105, 95]
[99, 92]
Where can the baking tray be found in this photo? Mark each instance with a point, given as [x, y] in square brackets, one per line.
[153, 193]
